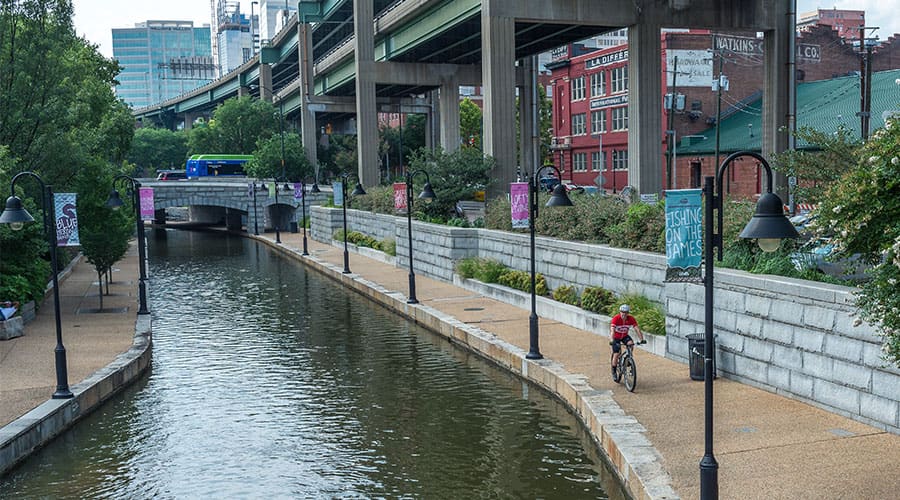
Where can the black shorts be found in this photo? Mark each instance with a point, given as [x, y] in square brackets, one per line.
[617, 344]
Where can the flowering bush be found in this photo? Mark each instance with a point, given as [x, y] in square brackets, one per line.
[862, 214]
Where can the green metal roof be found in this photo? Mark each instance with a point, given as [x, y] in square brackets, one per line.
[823, 105]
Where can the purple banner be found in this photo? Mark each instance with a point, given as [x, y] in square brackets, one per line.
[518, 201]
[147, 209]
[298, 191]
[66, 220]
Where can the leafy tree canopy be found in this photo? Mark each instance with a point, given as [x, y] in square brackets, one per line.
[267, 157]
[454, 176]
[158, 148]
[236, 127]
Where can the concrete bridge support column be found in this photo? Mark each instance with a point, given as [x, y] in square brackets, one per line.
[366, 112]
[256, 220]
[498, 70]
[159, 216]
[527, 118]
[645, 167]
[265, 82]
[307, 114]
[778, 90]
[448, 107]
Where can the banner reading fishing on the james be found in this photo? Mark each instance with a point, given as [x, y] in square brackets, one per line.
[684, 235]
[66, 220]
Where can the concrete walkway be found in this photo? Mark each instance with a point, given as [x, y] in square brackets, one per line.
[767, 446]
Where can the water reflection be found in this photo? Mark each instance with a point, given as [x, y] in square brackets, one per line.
[270, 381]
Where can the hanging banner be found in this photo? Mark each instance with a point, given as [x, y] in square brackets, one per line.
[66, 220]
[684, 235]
[298, 191]
[518, 202]
[272, 187]
[400, 196]
[251, 190]
[338, 189]
[145, 195]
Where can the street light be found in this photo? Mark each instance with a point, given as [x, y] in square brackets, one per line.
[357, 191]
[255, 214]
[16, 216]
[768, 226]
[115, 202]
[559, 198]
[303, 209]
[428, 196]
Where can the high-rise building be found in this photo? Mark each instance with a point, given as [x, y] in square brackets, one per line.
[273, 16]
[234, 41]
[161, 60]
[845, 22]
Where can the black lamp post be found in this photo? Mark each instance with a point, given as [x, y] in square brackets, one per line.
[357, 191]
[275, 213]
[427, 194]
[255, 214]
[16, 216]
[303, 212]
[559, 198]
[115, 202]
[768, 226]
[277, 218]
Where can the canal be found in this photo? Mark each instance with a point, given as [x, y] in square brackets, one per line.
[268, 380]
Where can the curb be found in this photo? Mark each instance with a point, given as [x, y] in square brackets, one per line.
[23, 436]
[621, 437]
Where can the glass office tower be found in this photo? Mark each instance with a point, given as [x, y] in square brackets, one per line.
[161, 60]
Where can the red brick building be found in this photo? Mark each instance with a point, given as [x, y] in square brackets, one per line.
[590, 95]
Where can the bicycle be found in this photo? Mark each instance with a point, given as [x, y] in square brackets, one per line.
[626, 369]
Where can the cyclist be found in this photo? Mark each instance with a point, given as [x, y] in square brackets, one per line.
[618, 334]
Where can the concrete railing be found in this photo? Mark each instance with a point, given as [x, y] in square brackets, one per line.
[793, 337]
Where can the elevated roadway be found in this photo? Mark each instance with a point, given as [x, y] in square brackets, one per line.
[331, 63]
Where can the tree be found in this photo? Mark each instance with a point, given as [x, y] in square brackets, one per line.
[818, 168]
[236, 127]
[470, 127]
[861, 212]
[266, 160]
[339, 157]
[154, 148]
[454, 176]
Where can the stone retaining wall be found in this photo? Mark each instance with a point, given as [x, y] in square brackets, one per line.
[792, 337]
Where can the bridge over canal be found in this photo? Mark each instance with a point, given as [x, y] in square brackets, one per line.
[228, 201]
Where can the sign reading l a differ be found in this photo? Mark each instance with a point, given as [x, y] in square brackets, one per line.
[518, 202]
[684, 234]
[66, 220]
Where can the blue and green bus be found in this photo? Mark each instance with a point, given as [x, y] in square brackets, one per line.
[213, 165]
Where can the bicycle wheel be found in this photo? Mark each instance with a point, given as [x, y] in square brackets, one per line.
[630, 374]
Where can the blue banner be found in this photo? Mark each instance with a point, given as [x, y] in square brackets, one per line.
[338, 189]
[66, 220]
[684, 234]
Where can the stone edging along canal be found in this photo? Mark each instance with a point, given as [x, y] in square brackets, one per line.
[621, 437]
[23, 436]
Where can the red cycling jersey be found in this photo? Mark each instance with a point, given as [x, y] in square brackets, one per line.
[621, 326]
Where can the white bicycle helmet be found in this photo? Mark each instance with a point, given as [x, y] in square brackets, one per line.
[624, 308]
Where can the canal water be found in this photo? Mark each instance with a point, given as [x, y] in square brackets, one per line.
[271, 381]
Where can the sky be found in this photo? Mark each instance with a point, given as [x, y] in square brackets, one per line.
[94, 19]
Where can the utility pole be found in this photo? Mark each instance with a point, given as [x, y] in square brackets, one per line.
[718, 83]
[865, 82]
[670, 132]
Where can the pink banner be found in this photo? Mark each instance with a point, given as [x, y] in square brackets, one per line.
[146, 199]
[518, 201]
[400, 196]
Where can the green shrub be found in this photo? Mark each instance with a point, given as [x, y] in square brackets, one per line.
[389, 246]
[643, 228]
[458, 222]
[338, 235]
[650, 316]
[596, 299]
[521, 280]
[497, 214]
[378, 199]
[567, 294]
[481, 269]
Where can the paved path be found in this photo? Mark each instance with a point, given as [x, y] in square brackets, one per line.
[767, 446]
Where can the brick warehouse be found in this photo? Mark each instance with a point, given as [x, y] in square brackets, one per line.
[589, 93]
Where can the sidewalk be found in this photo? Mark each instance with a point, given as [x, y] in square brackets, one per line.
[767, 446]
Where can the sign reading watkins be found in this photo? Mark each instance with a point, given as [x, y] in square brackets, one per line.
[754, 46]
[607, 59]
